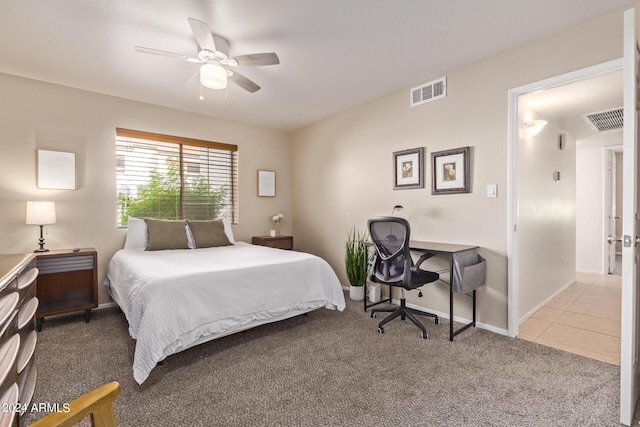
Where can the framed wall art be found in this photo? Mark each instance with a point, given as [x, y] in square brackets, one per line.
[408, 169]
[450, 171]
[266, 183]
[56, 170]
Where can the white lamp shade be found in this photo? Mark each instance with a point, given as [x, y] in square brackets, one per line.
[41, 213]
[213, 76]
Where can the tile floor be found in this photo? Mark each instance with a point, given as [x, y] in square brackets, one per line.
[583, 319]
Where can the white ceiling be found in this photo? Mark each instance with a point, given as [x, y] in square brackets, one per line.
[566, 104]
[334, 54]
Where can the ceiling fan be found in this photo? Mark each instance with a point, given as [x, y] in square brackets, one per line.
[217, 66]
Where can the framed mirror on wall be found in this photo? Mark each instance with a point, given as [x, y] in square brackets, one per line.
[266, 183]
[56, 170]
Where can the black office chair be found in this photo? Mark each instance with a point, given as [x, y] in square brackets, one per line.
[392, 265]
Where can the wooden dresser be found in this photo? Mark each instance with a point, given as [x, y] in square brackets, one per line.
[18, 305]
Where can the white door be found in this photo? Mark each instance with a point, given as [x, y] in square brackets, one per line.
[629, 367]
[612, 210]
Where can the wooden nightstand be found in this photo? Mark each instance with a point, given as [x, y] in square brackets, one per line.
[278, 242]
[68, 282]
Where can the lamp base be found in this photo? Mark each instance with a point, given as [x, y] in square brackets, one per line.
[41, 242]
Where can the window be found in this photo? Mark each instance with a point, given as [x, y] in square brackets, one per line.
[162, 176]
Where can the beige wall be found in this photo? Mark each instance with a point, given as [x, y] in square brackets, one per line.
[546, 214]
[343, 165]
[36, 115]
[592, 220]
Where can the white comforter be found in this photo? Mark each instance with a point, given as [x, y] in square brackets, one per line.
[175, 299]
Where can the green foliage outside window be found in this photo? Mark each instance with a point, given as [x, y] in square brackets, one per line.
[160, 198]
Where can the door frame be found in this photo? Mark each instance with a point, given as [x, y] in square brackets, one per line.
[512, 181]
[610, 150]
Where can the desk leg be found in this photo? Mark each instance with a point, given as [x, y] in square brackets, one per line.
[453, 333]
[451, 298]
[474, 308]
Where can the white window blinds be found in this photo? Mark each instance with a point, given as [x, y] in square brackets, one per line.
[163, 176]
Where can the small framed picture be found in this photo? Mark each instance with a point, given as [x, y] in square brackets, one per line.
[266, 183]
[408, 169]
[56, 170]
[450, 171]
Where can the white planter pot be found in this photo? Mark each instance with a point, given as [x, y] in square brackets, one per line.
[356, 293]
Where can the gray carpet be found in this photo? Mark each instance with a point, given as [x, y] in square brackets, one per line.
[330, 368]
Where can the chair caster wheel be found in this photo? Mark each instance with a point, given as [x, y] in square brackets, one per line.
[381, 330]
[437, 321]
[424, 335]
[372, 315]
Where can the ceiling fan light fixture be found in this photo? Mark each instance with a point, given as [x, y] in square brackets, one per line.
[213, 76]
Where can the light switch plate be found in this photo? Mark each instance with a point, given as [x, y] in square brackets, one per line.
[492, 190]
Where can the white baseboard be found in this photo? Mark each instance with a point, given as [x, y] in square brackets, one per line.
[578, 270]
[81, 312]
[464, 320]
[444, 315]
[104, 305]
[543, 303]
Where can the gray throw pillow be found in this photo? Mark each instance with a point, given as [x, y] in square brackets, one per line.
[208, 234]
[166, 234]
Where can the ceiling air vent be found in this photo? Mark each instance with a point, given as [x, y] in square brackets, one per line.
[605, 120]
[429, 92]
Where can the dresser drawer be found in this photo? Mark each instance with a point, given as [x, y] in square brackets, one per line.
[27, 385]
[27, 313]
[26, 284]
[8, 357]
[27, 349]
[8, 306]
[10, 399]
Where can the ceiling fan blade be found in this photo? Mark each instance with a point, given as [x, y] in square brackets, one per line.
[244, 82]
[165, 53]
[202, 33]
[257, 59]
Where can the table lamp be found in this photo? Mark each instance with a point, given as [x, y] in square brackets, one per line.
[41, 213]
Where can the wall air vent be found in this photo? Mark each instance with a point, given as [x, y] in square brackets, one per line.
[601, 121]
[428, 92]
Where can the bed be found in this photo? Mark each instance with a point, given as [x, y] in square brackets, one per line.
[175, 299]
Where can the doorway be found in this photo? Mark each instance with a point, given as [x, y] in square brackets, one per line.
[559, 263]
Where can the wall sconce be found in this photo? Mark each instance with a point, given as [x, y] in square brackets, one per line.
[531, 128]
[41, 213]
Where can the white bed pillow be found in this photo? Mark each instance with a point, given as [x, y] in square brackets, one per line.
[190, 240]
[136, 233]
[228, 231]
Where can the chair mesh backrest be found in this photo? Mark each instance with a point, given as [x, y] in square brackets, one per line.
[390, 236]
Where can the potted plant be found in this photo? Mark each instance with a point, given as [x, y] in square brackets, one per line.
[355, 263]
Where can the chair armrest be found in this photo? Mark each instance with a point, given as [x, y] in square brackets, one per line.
[424, 257]
[97, 403]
